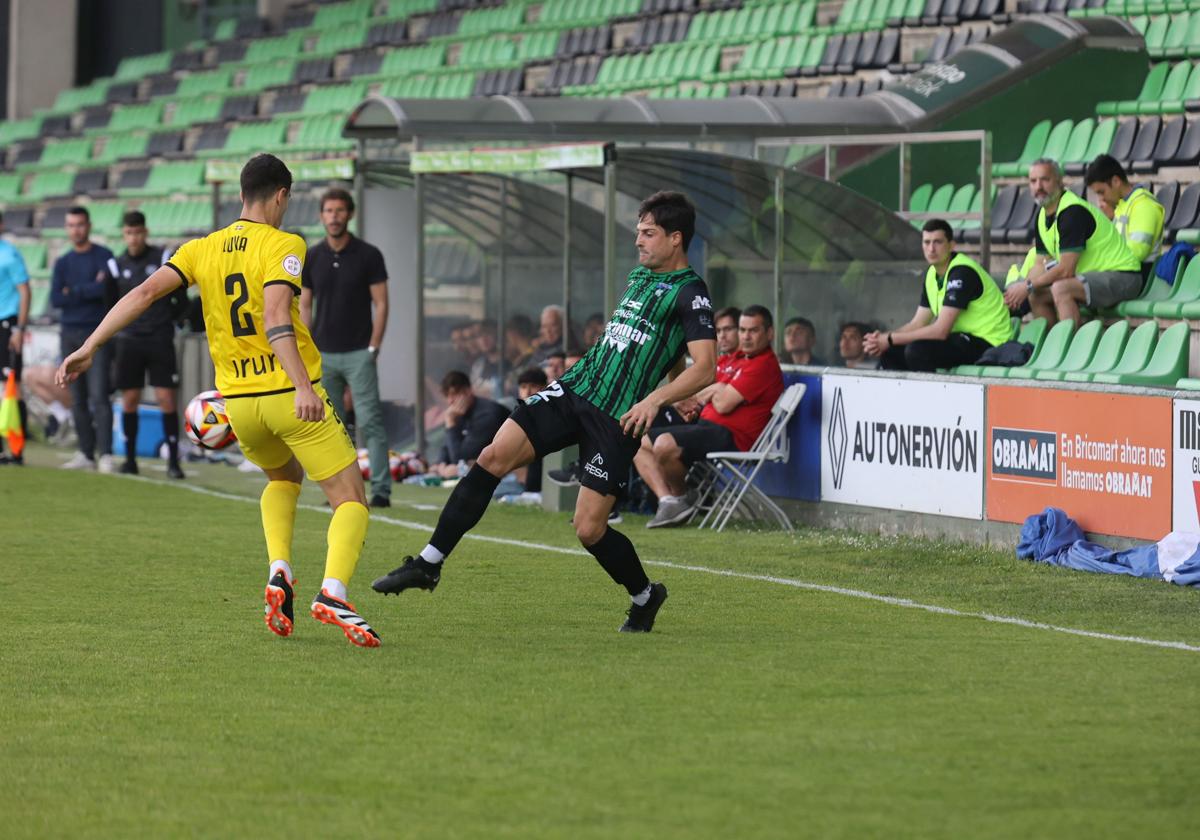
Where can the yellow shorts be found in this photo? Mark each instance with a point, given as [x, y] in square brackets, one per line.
[269, 434]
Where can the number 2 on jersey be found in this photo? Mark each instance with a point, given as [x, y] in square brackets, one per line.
[241, 322]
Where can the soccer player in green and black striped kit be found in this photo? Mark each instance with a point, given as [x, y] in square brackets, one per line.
[604, 403]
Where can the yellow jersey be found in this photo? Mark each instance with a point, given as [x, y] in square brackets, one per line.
[231, 267]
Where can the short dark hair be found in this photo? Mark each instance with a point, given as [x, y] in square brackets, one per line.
[1103, 169]
[263, 176]
[533, 376]
[728, 312]
[804, 322]
[337, 194]
[756, 311]
[522, 325]
[455, 380]
[672, 212]
[80, 210]
[862, 328]
[939, 224]
[134, 218]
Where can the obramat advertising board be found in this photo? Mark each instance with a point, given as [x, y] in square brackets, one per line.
[1104, 458]
[903, 444]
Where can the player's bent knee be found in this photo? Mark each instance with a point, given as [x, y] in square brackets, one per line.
[589, 533]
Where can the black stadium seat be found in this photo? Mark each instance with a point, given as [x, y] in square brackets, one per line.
[288, 101]
[187, 60]
[1188, 153]
[55, 217]
[121, 93]
[57, 125]
[1123, 138]
[1166, 147]
[1147, 138]
[165, 143]
[1186, 210]
[950, 13]
[239, 107]
[388, 34]
[867, 50]
[163, 84]
[18, 218]
[211, 137]
[932, 13]
[1017, 228]
[89, 181]
[313, 70]
[889, 48]
[849, 53]
[940, 46]
[134, 177]
[1001, 209]
[1167, 195]
[364, 63]
[231, 51]
[30, 151]
[833, 49]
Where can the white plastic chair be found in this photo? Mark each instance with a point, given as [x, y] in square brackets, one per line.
[735, 471]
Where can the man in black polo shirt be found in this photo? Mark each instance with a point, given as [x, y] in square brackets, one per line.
[345, 280]
[147, 346]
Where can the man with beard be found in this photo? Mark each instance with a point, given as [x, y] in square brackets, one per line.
[346, 281]
[1082, 257]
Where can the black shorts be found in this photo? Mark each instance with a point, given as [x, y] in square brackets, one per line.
[557, 417]
[7, 357]
[698, 439]
[136, 357]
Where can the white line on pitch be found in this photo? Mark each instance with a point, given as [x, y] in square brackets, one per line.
[779, 581]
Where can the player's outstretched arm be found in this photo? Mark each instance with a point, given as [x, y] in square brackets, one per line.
[704, 367]
[127, 310]
[281, 332]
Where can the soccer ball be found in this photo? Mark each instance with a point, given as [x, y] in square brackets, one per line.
[206, 423]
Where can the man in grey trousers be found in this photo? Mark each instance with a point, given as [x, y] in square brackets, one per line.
[345, 282]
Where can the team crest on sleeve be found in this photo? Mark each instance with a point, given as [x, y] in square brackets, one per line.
[291, 264]
[701, 302]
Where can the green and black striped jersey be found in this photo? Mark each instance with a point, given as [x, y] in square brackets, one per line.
[656, 318]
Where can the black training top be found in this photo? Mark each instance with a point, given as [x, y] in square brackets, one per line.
[341, 285]
[130, 272]
[963, 285]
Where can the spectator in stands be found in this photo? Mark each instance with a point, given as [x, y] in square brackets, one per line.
[518, 342]
[464, 347]
[486, 373]
[14, 316]
[736, 408]
[1135, 211]
[726, 322]
[799, 339]
[960, 315]
[593, 328]
[852, 346]
[146, 348]
[550, 336]
[1082, 258]
[555, 365]
[82, 288]
[345, 281]
[471, 423]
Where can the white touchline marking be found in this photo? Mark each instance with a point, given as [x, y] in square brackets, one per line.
[780, 581]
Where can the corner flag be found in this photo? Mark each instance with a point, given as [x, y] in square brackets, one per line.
[10, 416]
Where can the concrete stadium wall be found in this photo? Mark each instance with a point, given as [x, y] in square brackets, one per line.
[41, 53]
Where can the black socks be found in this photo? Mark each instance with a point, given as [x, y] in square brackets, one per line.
[129, 425]
[464, 508]
[170, 425]
[618, 557]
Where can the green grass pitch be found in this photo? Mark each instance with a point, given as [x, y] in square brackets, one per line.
[142, 696]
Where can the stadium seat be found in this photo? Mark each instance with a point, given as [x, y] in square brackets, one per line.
[1123, 138]
[88, 181]
[212, 81]
[1135, 356]
[1167, 195]
[1099, 144]
[1143, 145]
[1020, 222]
[1166, 366]
[1107, 353]
[1165, 149]
[1035, 142]
[51, 184]
[1186, 211]
[1051, 354]
[191, 112]
[1187, 384]
[68, 152]
[1079, 354]
[1188, 153]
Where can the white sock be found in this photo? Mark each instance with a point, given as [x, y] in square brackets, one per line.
[285, 567]
[671, 499]
[60, 411]
[642, 598]
[334, 587]
[431, 555]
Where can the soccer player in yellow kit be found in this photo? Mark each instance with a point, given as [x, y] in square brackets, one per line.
[269, 371]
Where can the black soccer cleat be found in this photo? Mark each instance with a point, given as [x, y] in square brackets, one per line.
[277, 612]
[128, 468]
[174, 470]
[641, 619]
[414, 574]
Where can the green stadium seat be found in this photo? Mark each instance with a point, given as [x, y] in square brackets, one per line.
[320, 134]
[1077, 144]
[1151, 92]
[138, 66]
[1155, 291]
[35, 255]
[1101, 140]
[341, 38]
[1107, 355]
[1134, 358]
[1184, 301]
[202, 109]
[1051, 354]
[117, 147]
[939, 202]
[213, 81]
[1156, 34]
[76, 99]
[405, 8]
[249, 138]
[919, 200]
[71, 151]
[225, 30]
[507, 18]
[406, 60]
[1186, 384]
[1035, 142]
[1056, 140]
[1033, 332]
[338, 14]
[1078, 356]
[334, 98]
[136, 117]
[1172, 89]
[106, 216]
[268, 74]
[270, 49]
[10, 186]
[39, 297]
[52, 183]
[961, 201]
[11, 130]
[1167, 366]
[533, 45]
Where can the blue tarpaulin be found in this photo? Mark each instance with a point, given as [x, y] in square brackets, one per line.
[1053, 537]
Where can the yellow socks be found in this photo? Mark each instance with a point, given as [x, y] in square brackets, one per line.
[278, 505]
[347, 533]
